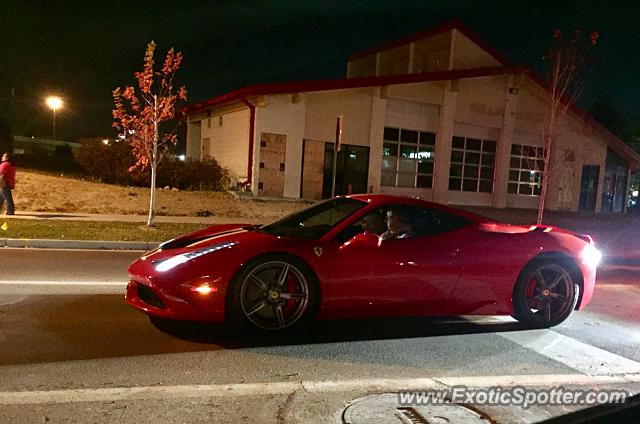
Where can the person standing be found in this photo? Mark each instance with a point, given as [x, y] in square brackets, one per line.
[7, 182]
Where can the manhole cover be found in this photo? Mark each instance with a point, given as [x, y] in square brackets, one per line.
[385, 409]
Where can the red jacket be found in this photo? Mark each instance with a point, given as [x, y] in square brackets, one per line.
[8, 171]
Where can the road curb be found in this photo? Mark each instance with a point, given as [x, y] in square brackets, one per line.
[78, 244]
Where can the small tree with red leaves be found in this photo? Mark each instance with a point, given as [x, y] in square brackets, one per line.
[566, 59]
[140, 114]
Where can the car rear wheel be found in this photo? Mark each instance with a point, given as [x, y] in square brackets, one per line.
[275, 292]
[545, 294]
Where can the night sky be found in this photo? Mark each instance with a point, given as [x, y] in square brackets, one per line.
[81, 50]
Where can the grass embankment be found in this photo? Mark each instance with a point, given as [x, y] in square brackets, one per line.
[92, 230]
[46, 192]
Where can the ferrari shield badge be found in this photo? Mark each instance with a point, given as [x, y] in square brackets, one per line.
[318, 251]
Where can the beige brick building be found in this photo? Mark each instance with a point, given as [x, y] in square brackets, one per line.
[439, 115]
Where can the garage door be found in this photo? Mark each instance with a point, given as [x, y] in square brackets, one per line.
[412, 115]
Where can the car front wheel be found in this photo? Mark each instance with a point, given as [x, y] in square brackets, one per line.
[275, 292]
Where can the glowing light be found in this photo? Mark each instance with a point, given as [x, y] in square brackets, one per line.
[184, 257]
[205, 289]
[105, 141]
[181, 157]
[635, 193]
[591, 256]
[54, 102]
[171, 263]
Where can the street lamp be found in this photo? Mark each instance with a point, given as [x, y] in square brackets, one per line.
[54, 103]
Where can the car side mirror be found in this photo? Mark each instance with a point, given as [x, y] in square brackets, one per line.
[360, 240]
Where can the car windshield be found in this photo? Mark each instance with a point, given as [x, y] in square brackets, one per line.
[315, 221]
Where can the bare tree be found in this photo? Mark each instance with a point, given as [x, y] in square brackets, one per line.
[566, 59]
[153, 104]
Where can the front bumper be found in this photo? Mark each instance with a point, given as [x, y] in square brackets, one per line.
[164, 302]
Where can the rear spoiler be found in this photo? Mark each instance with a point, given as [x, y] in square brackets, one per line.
[548, 229]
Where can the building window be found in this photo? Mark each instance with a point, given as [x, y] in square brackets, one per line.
[472, 164]
[407, 158]
[525, 170]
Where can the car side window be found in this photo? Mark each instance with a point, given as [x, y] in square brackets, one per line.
[430, 222]
[450, 222]
[373, 222]
[420, 222]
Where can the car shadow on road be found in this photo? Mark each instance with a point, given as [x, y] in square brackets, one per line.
[336, 331]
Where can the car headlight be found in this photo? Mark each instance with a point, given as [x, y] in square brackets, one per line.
[174, 261]
[591, 256]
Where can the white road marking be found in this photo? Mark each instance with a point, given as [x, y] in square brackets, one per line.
[274, 388]
[614, 267]
[624, 286]
[46, 249]
[582, 357]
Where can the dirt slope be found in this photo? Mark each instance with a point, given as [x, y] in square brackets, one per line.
[39, 192]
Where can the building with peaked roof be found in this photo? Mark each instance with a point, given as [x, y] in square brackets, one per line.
[439, 115]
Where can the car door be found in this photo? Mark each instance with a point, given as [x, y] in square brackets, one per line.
[346, 270]
[407, 276]
[416, 276]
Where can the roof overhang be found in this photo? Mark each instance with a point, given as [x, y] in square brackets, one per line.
[340, 84]
[238, 98]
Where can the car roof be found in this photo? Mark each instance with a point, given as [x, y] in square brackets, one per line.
[385, 199]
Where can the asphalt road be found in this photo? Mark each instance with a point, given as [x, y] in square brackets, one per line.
[72, 351]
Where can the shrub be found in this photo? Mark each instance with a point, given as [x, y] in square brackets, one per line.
[110, 164]
[53, 163]
[191, 174]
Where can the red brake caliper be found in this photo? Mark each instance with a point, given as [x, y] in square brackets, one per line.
[292, 287]
[531, 291]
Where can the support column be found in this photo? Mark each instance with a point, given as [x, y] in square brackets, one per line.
[376, 136]
[194, 139]
[503, 152]
[626, 191]
[412, 48]
[443, 142]
[603, 170]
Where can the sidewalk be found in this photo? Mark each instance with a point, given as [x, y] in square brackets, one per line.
[211, 220]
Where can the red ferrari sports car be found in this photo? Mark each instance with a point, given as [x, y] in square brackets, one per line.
[366, 256]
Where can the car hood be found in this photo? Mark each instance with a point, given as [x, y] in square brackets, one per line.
[203, 236]
[223, 248]
[236, 234]
[232, 238]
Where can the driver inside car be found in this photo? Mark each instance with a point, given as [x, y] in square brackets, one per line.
[374, 223]
[398, 226]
